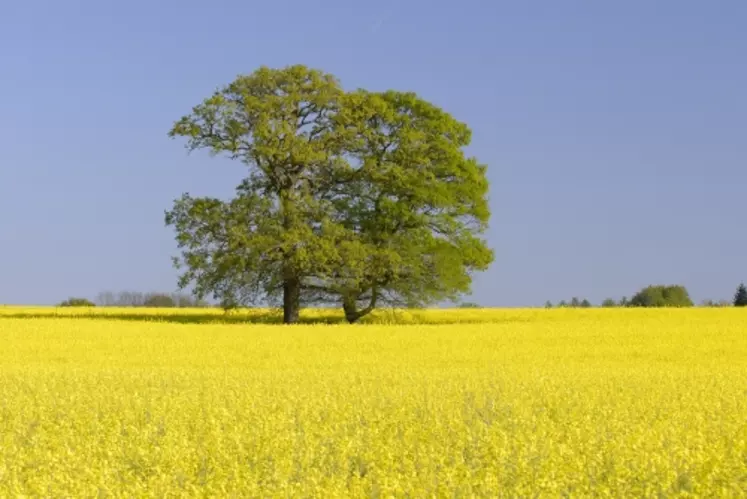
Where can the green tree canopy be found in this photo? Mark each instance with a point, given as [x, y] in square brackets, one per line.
[77, 302]
[662, 296]
[355, 198]
[411, 204]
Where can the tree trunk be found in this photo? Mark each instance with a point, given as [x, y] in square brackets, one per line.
[350, 306]
[291, 282]
[291, 300]
[350, 309]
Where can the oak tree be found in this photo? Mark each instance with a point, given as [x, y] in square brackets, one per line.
[353, 198]
[412, 205]
[263, 242]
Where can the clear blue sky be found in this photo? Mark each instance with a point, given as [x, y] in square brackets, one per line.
[615, 132]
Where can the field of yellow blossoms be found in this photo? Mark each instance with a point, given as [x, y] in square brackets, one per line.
[462, 403]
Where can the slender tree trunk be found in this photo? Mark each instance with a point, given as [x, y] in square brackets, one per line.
[291, 300]
[350, 306]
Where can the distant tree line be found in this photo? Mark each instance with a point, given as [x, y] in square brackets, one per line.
[138, 299]
[658, 296]
[650, 296]
[574, 303]
[714, 303]
[468, 304]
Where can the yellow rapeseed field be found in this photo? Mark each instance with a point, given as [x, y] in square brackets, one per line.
[490, 403]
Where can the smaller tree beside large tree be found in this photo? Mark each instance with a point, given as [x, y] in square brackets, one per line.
[411, 206]
[740, 297]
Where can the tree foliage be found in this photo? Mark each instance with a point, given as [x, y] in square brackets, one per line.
[279, 124]
[352, 198]
[740, 297]
[411, 206]
[77, 302]
[662, 296]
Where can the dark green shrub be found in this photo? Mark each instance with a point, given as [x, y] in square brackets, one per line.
[662, 296]
[77, 302]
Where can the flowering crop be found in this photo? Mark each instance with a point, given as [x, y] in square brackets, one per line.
[623, 403]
